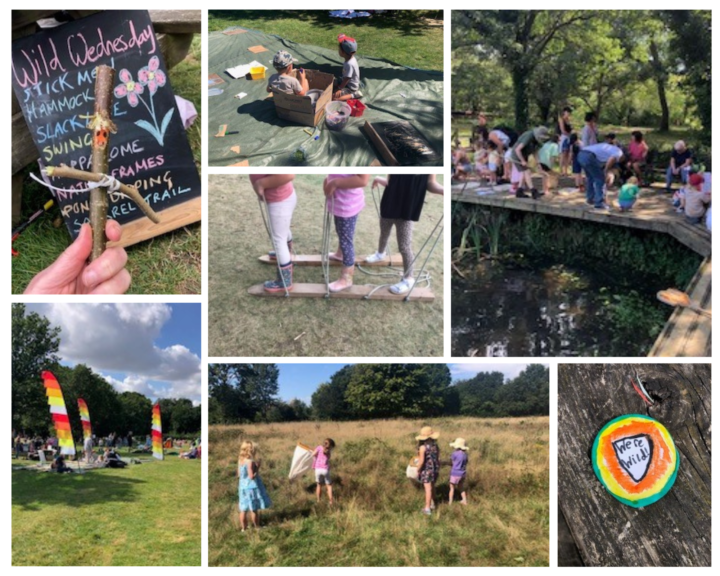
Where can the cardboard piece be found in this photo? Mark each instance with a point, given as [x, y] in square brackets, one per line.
[257, 49]
[233, 32]
[214, 80]
[235, 149]
[222, 129]
[635, 459]
[241, 163]
[300, 109]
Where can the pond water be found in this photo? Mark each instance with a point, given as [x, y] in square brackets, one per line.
[543, 310]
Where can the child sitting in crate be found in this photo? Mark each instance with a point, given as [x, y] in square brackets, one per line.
[349, 87]
[283, 80]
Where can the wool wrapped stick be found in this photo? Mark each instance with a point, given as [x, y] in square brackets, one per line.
[131, 192]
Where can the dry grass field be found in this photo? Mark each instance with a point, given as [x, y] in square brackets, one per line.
[243, 325]
[376, 520]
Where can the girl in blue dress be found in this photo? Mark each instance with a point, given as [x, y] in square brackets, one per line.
[251, 491]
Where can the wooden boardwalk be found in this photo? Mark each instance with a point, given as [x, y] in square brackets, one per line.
[686, 333]
[653, 211]
[676, 530]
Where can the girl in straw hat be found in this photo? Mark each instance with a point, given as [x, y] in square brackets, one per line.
[459, 466]
[429, 457]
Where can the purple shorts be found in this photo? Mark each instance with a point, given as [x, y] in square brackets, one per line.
[456, 479]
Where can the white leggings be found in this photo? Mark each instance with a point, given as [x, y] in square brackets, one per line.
[280, 219]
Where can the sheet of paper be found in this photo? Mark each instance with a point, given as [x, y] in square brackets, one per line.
[243, 70]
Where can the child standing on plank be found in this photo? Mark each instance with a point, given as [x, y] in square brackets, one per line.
[401, 206]
[252, 494]
[345, 199]
[321, 465]
[279, 193]
[349, 87]
[458, 471]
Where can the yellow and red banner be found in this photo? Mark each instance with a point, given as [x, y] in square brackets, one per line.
[85, 418]
[59, 414]
[157, 445]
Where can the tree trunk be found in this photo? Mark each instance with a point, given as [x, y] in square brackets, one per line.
[520, 78]
[660, 79]
[674, 531]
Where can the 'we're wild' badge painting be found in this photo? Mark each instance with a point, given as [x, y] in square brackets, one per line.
[635, 458]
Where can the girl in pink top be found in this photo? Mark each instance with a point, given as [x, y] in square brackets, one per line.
[279, 193]
[345, 199]
[321, 465]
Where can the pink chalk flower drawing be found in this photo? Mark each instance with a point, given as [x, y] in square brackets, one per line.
[128, 88]
[152, 78]
[151, 75]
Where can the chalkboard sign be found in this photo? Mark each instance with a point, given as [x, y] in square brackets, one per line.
[53, 76]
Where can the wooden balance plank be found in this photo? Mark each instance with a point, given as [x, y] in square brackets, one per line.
[688, 333]
[606, 532]
[170, 219]
[316, 260]
[355, 292]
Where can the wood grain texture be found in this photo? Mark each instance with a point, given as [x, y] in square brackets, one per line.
[676, 530]
[316, 260]
[355, 292]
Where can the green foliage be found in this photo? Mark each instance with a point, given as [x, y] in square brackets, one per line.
[34, 349]
[392, 390]
[241, 392]
[632, 321]
[486, 394]
[328, 400]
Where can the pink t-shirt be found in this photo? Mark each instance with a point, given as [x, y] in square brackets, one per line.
[637, 150]
[347, 202]
[275, 194]
[322, 460]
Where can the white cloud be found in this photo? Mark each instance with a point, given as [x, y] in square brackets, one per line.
[120, 338]
[464, 371]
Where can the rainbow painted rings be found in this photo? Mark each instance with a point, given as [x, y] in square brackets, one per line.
[635, 458]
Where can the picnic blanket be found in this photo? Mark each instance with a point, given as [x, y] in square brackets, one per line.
[391, 92]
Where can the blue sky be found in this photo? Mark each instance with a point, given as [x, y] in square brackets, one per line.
[301, 380]
[153, 349]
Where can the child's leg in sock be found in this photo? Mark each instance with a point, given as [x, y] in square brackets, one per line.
[345, 228]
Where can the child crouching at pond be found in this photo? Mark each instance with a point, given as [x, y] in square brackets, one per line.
[252, 494]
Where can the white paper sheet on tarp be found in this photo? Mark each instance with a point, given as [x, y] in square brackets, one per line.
[243, 69]
[301, 462]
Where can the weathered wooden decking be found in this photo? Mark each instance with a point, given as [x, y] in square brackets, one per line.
[676, 530]
[686, 333]
[653, 211]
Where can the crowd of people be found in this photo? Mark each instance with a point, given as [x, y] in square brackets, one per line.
[595, 162]
[424, 468]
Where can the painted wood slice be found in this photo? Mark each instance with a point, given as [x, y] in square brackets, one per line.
[635, 458]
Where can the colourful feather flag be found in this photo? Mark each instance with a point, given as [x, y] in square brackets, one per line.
[85, 418]
[157, 432]
[59, 413]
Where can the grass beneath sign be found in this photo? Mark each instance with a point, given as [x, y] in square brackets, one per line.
[168, 264]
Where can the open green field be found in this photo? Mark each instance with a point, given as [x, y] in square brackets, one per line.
[409, 37]
[168, 264]
[147, 514]
[376, 520]
[243, 325]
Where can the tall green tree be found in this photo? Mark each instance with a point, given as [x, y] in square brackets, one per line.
[241, 392]
[35, 344]
[137, 412]
[328, 401]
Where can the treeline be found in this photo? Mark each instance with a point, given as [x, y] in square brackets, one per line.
[34, 348]
[632, 67]
[248, 393]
